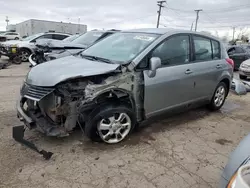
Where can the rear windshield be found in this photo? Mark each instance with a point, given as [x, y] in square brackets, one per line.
[88, 38]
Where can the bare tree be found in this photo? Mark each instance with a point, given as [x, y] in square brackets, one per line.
[242, 32]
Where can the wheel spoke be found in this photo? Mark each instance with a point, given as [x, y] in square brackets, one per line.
[111, 119]
[104, 126]
[121, 117]
[118, 136]
[106, 136]
[222, 90]
[125, 125]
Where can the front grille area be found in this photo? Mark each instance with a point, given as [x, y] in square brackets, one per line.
[246, 73]
[35, 93]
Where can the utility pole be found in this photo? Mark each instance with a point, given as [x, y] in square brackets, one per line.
[233, 32]
[191, 29]
[159, 3]
[7, 20]
[197, 17]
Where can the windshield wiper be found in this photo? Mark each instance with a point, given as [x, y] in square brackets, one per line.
[90, 57]
[104, 60]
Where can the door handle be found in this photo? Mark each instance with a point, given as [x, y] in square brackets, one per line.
[188, 71]
[218, 66]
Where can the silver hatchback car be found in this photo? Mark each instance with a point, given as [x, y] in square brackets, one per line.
[123, 80]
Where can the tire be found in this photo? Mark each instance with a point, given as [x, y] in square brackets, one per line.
[243, 77]
[219, 97]
[110, 133]
[17, 60]
[16, 38]
[24, 55]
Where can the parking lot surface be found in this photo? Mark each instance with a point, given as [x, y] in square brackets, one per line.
[186, 150]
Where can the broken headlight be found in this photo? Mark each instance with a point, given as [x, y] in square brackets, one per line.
[232, 181]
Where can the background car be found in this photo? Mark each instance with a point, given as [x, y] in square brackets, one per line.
[238, 54]
[49, 50]
[11, 36]
[244, 70]
[240, 156]
[26, 46]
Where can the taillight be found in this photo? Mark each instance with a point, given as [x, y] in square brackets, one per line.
[230, 61]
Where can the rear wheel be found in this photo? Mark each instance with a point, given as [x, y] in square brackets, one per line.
[243, 77]
[16, 38]
[110, 124]
[219, 97]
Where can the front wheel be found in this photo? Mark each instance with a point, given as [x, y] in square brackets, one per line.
[219, 97]
[24, 55]
[110, 124]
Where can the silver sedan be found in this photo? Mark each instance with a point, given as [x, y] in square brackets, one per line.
[244, 70]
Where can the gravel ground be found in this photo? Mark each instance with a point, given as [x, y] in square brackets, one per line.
[187, 150]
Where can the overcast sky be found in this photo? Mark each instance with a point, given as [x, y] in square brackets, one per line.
[218, 16]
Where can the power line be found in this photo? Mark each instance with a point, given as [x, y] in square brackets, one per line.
[231, 8]
[138, 18]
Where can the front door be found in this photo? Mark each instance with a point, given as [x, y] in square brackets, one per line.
[173, 83]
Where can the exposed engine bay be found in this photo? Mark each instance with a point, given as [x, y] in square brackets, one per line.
[58, 110]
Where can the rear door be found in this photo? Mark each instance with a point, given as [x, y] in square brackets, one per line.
[173, 84]
[207, 66]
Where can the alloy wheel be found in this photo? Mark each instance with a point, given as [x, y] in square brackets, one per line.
[114, 128]
[24, 55]
[219, 96]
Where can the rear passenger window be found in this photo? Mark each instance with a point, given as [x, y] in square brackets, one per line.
[174, 51]
[59, 37]
[216, 49]
[203, 49]
[239, 50]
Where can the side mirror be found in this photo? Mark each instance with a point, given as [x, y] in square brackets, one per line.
[154, 64]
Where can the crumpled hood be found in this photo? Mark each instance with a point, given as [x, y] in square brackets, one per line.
[14, 42]
[53, 72]
[50, 43]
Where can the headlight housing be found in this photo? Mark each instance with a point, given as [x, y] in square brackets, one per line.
[243, 65]
[232, 182]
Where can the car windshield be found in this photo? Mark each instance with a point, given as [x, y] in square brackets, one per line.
[70, 38]
[121, 47]
[88, 38]
[32, 37]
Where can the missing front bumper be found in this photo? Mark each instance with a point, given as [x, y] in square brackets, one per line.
[18, 134]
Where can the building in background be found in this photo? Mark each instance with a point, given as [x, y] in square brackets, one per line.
[11, 27]
[33, 26]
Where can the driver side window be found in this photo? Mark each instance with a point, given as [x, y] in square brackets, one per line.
[173, 51]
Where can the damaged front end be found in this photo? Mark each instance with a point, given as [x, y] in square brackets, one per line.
[56, 111]
[47, 50]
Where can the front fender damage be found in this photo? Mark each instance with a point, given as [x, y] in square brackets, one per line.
[71, 102]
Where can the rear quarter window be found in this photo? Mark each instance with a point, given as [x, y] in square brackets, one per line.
[202, 48]
[216, 49]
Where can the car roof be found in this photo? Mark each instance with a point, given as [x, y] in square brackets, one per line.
[105, 31]
[162, 31]
[56, 33]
